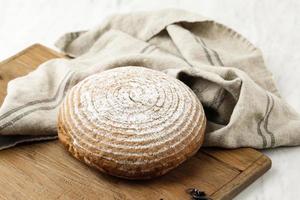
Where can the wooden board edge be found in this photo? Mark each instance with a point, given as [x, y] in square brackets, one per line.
[244, 179]
[20, 53]
[34, 46]
[56, 53]
[246, 150]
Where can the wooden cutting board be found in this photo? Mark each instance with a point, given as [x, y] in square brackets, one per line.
[46, 171]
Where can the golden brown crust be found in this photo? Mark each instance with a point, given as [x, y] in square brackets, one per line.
[134, 156]
[95, 163]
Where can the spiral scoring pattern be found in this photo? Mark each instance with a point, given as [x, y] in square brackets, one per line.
[132, 122]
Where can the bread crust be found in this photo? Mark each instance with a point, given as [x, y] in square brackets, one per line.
[136, 162]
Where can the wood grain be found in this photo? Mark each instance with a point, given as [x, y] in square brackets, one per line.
[46, 171]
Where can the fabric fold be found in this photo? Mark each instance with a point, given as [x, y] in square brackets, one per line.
[226, 72]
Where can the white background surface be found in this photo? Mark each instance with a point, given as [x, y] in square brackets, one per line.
[273, 26]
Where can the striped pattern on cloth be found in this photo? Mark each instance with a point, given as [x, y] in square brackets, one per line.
[225, 71]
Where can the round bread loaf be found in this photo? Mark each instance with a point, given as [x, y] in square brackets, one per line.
[131, 122]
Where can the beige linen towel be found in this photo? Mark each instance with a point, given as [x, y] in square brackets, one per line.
[225, 71]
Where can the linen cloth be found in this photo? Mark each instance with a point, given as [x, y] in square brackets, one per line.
[226, 72]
